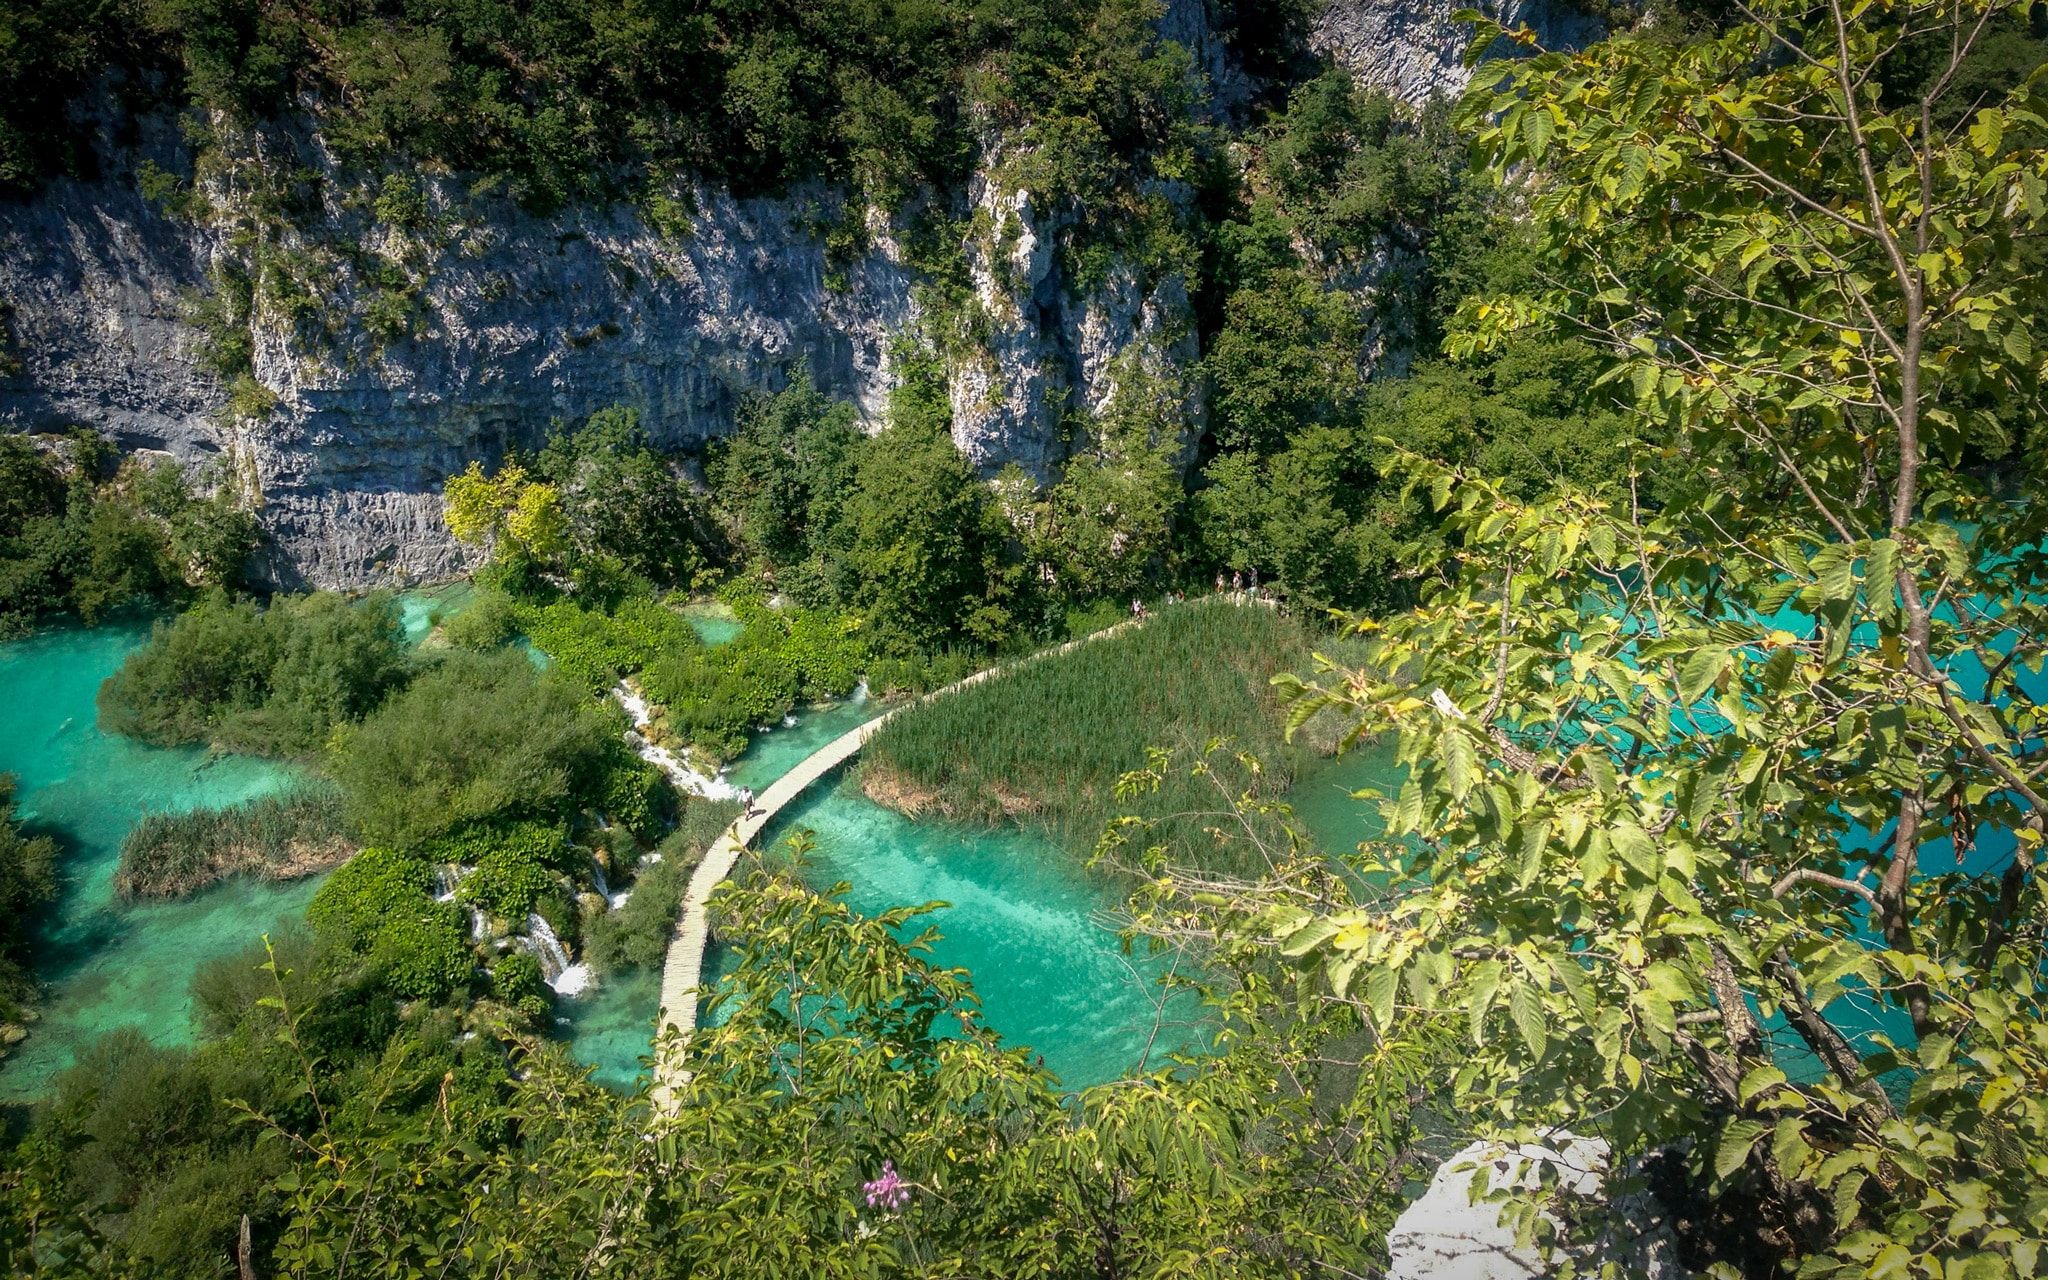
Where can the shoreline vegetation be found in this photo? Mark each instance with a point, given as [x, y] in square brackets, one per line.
[1046, 743]
[279, 837]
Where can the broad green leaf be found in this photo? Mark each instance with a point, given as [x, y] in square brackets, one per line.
[1669, 981]
[1380, 986]
[1535, 837]
[1700, 671]
[1315, 934]
[1758, 1080]
[1636, 848]
[1735, 1144]
[1461, 764]
[1525, 1008]
[1789, 1148]
[1485, 981]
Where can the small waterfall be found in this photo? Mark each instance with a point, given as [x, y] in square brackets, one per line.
[553, 959]
[604, 888]
[567, 979]
[859, 694]
[682, 776]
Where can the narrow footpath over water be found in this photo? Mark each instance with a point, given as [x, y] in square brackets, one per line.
[682, 971]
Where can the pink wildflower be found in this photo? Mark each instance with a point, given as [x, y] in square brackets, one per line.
[888, 1191]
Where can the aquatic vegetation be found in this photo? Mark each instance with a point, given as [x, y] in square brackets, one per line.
[276, 837]
[1046, 742]
[28, 884]
[267, 681]
[711, 697]
[598, 647]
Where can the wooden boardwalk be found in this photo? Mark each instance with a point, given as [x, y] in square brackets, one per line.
[683, 970]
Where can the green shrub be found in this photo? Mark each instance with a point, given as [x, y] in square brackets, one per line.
[597, 648]
[508, 882]
[425, 955]
[518, 980]
[365, 891]
[702, 825]
[270, 682]
[28, 884]
[539, 843]
[69, 540]
[144, 1135]
[489, 620]
[637, 796]
[636, 934]
[210, 662]
[475, 737]
[380, 905]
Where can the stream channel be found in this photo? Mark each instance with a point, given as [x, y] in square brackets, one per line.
[1022, 917]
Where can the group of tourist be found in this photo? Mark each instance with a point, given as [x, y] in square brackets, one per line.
[1237, 586]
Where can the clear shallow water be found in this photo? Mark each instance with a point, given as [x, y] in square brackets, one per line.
[108, 964]
[1022, 920]
[714, 622]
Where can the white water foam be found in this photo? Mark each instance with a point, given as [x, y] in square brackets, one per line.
[683, 776]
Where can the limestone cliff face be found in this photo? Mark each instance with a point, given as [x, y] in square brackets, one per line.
[505, 322]
[1412, 48]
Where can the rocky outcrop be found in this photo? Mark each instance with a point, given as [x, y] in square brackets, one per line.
[500, 322]
[1414, 51]
[399, 349]
[1050, 345]
[1455, 1230]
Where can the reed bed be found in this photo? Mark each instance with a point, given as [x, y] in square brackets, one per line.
[1044, 744]
[279, 837]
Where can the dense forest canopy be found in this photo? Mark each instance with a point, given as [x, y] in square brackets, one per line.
[560, 100]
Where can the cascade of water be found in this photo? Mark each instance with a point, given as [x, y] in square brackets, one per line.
[604, 887]
[567, 979]
[681, 775]
[554, 961]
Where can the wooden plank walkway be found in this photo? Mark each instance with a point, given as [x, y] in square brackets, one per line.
[682, 972]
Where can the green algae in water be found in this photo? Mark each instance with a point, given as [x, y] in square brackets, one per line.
[108, 964]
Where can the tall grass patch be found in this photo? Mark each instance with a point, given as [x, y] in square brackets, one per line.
[1045, 743]
[280, 837]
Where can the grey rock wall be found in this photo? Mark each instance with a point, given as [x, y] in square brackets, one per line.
[521, 320]
[1414, 51]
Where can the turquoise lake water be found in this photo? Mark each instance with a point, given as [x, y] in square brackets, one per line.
[1024, 919]
[110, 964]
